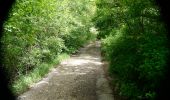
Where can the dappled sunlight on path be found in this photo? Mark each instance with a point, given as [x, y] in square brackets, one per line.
[79, 78]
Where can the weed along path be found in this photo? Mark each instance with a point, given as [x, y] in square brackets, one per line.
[81, 77]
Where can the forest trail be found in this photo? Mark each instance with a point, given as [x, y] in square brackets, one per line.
[81, 77]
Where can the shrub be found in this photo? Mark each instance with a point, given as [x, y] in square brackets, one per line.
[135, 44]
[39, 31]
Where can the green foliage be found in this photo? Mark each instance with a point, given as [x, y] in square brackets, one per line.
[24, 81]
[134, 42]
[39, 31]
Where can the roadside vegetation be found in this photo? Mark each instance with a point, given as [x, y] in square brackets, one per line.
[39, 34]
[134, 42]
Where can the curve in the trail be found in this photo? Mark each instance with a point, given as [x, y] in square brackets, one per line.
[79, 78]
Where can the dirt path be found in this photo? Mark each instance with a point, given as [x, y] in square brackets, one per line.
[79, 78]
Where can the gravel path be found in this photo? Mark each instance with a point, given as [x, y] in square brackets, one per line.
[79, 78]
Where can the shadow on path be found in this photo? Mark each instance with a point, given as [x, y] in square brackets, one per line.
[79, 78]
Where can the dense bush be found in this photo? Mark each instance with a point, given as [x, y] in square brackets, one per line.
[39, 31]
[135, 43]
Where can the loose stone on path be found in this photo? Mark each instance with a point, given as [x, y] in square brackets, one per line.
[79, 78]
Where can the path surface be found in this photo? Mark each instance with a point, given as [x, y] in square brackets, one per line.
[79, 78]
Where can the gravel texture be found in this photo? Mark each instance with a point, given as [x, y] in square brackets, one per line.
[80, 77]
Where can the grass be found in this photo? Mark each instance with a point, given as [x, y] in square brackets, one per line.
[25, 81]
